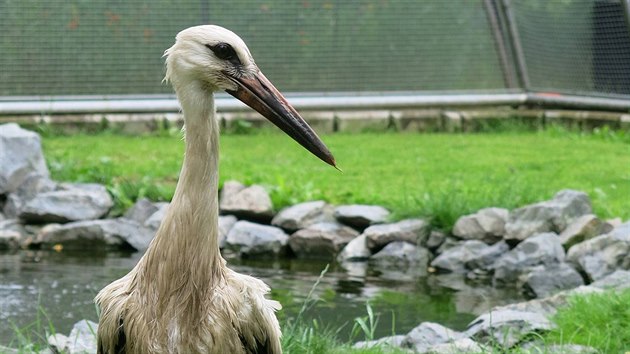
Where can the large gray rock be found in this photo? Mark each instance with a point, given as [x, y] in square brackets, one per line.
[9, 239]
[618, 280]
[454, 259]
[400, 254]
[73, 202]
[20, 155]
[428, 334]
[355, 250]
[303, 215]
[13, 225]
[323, 240]
[486, 225]
[542, 249]
[226, 222]
[435, 240]
[118, 233]
[141, 210]
[549, 216]
[459, 346]
[546, 281]
[391, 341]
[485, 258]
[361, 216]
[583, 228]
[32, 185]
[415, 231]
[251, 203]
[507, 327]
[603, 254]
[82, 339]
[250, 240]
[548, 306]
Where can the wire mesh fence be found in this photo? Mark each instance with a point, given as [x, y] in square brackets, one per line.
[98, 47]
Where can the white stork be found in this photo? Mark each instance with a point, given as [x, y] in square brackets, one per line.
[181, 297]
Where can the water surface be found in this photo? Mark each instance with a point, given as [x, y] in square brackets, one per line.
[37, 286]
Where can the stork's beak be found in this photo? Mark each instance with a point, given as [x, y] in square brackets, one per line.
[260, 94]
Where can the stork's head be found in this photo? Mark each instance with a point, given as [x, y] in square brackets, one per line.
[212, 58]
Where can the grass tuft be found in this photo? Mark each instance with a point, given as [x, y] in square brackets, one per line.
[601, 321]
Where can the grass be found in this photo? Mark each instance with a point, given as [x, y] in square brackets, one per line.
[600, 320]
[442, 176]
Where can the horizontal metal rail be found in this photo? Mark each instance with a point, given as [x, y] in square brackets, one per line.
[160, 104]
[229, 104]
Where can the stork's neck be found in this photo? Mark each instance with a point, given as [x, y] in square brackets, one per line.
[185, 251]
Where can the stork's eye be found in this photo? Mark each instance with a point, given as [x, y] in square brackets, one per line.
[223, 51]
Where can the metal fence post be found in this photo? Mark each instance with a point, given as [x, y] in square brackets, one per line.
[626, 11]
[498, 34]
[516, 44]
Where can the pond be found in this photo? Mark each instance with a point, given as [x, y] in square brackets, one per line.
[41, 285]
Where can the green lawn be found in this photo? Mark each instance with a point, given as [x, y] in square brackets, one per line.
[439, 175]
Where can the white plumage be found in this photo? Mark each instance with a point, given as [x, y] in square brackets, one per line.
[181, 297]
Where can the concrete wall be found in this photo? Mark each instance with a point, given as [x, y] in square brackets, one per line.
[420, 120]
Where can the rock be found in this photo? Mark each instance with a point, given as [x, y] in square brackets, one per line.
[428, 334]
[391, 341]
[459, 346]
[251, 203]
[455, 258]
[21, 155]
[402, 254]
[32, 185]
[250, 239]
[486, 225]
[13, 225]
[82, 338]
[355, 250]
[230, 189]
[583, 228]
[361, 216]
[447, 244]
[2, 217]
[414, 231]
[59, 342]
[72, 203]
[618, 280]
[118, 233]
[603, 254]
[507, 327]
[548, 306]
[614, 222]
[141, 210]
[226, 222]
[546, 281]
[548, 216]
[9, 239]
[323, 240]
[485, 257]
[435, 240]
[153, 222]
[542, 249]
[355, 269]
[303, 215]
[7, 350]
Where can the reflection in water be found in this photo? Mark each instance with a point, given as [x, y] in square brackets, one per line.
[63, 286]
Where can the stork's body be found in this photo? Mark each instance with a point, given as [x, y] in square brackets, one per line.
[181, 297]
